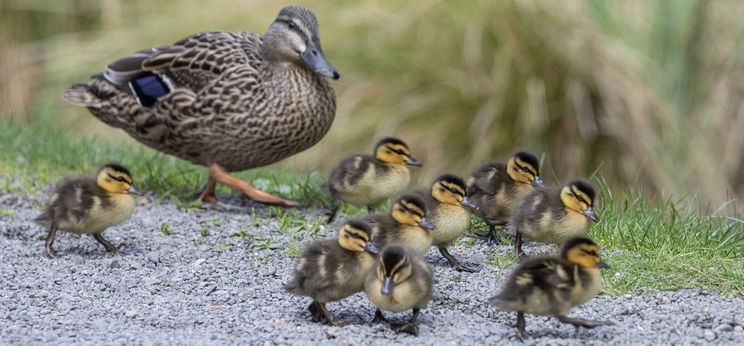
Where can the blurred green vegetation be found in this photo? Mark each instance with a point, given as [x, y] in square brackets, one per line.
[649, 91]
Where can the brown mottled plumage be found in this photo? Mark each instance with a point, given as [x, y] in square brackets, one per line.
[405, 224]
[333, 269]
[554, 285]
[368, 180]
[402, 281]
[553, 215]
[448, 208]
[236, 100]
[497, 188]
[89, 206]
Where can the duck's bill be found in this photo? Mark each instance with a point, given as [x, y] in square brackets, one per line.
[315, 59]
[589, 212]
[537, 181]
[413, 162]
[387, 286]
[468, 203]
[371, 248]
[133, 190]
[426, 224]
[604, 265]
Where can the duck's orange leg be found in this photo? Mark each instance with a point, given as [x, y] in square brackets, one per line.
[207, 194]
[220, 174]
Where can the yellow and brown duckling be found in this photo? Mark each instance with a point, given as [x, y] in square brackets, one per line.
[554, 285]
[448, 208]
[402, 281]
[553, 215]
[90, 205]
[498, 188]
[333, 269]
[406, 224]
[370, 179]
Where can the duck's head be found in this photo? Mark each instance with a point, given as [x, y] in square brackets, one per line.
[394, 267]
[116, 178]
[394, 151]
[293, 38]
[356, 236]
[410, 210]
[523, 167]
[582, 251]
[451, 189]
[578, 196]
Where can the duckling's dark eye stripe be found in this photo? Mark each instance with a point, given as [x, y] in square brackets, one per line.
[590, 252]
[120, 179]
[409, 210]
[397, 151]
[451, 189]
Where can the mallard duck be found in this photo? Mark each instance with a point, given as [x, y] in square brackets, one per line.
[90, 205]
[497, 188]
[406, 224]
[333, 269]
[554, 285]
[370, 179]
[448, 208]
[553, 215]
[402, 281]
[230, 101]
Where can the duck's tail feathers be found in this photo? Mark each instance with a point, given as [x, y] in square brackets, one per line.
[80, 95]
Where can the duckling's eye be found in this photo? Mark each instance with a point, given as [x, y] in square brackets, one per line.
[291, 25]
[524, 169]
[453, 191]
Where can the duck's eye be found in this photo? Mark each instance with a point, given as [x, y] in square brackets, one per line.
[453, 191]
[524, 169]
[291, 25]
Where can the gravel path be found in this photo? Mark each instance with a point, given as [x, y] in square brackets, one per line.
[188, 288]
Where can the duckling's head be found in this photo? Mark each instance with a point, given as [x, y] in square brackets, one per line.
[115, 178]
[451, 189]
[356, 236]
[578, 196]
[582, 251]
[394, 268]
[395, 151]
[294, 38]
[410, 210]
[523, 167]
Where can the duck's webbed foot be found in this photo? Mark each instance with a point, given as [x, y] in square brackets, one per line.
[219, 174]
[454, 263]
[580, 322]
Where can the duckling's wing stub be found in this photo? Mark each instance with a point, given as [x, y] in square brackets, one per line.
[488, 178]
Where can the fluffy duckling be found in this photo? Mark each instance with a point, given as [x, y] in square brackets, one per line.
[367, 180]
[448, 209]
[406, 224]
[497, 188]
[333, 269]
[553, 215]
[402, 281]
[554, 285]
[90, 206]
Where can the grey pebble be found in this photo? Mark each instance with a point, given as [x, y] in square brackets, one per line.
[710, 335]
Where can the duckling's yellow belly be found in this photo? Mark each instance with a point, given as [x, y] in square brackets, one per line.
[582, 293]
[402, 298]
[99, 218]
[348, 279]
[377, 185]
[416, 238]
[550, 231]
[450, 222]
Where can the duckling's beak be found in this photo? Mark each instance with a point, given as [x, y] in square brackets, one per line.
[133, 190]
[589, 212]
[371, 248]
[537, 181]
[315, 59]
[603, 265]
[426, 224]
[468, 203]
[413, 162]
[387, 286]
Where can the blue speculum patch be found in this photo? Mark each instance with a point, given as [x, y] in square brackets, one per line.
[148, 89]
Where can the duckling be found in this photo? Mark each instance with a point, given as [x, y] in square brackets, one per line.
[553, 215]
[333, 269]
[406, 223]
[90, 206]
[497, 188]
[402, 281]
[367, 180]
[448, 209]
[554, 285]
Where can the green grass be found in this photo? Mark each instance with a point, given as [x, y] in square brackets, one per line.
[652, 244]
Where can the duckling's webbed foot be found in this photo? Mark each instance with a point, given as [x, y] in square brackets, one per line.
[220, 174]
[580, 322]
[379, 317]
[334, 210]
[327, 315]
[408, 328]
[521, 323]
[454, 263]
[109, 247]
[50, 241]
[315, 312]
[518, 246]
